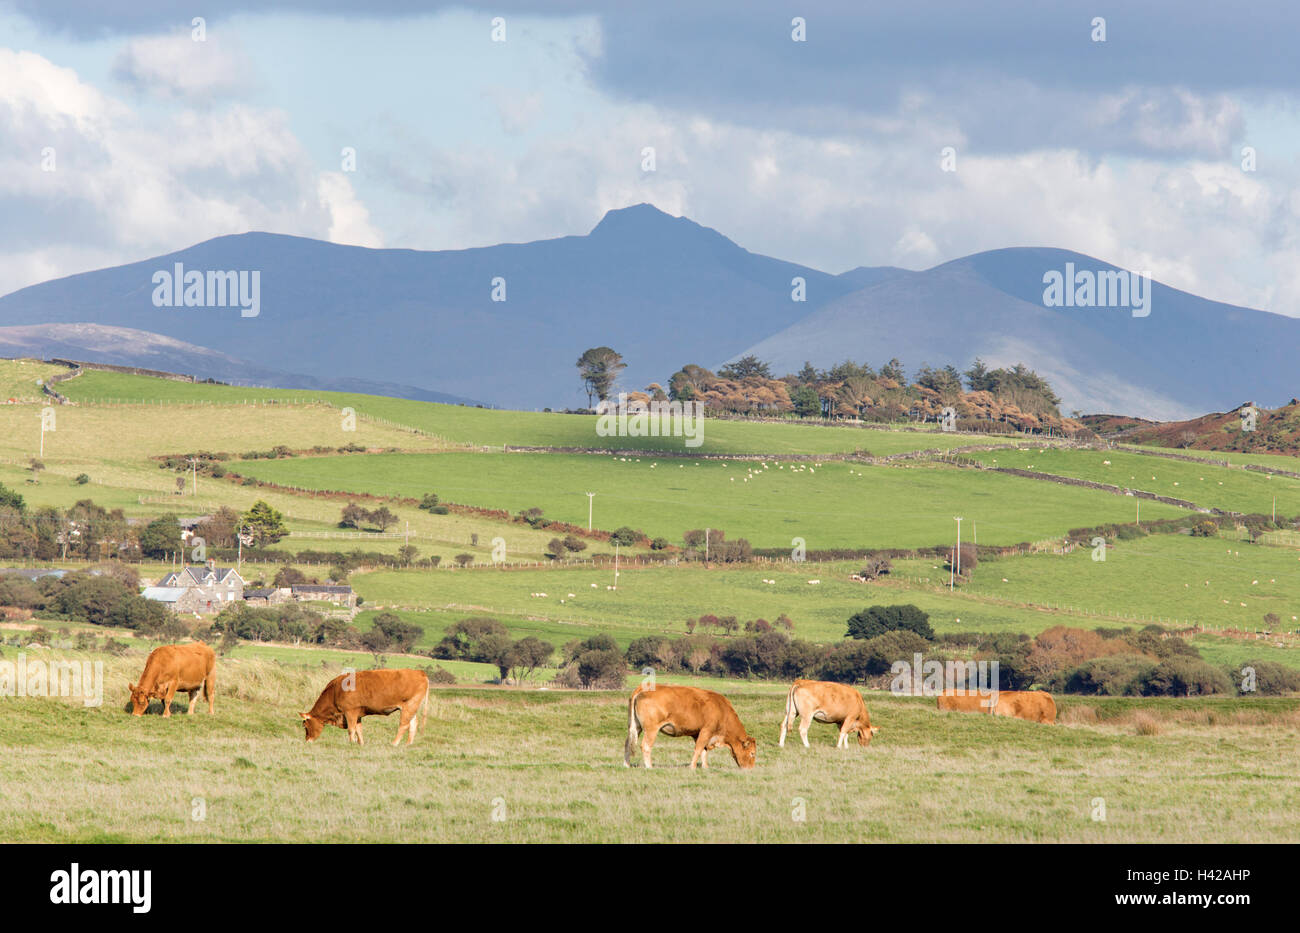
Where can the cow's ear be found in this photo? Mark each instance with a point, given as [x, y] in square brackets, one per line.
[305, 716]
[131, 687]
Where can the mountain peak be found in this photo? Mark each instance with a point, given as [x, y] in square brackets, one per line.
[646, 220]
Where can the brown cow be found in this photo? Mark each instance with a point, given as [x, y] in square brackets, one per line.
[822, 701]
[352, 695]
[169, 668]
[1033, 705]
[702, 714]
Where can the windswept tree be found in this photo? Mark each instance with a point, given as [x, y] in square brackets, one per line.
[746, 367]
[264, 523]
[599, 367]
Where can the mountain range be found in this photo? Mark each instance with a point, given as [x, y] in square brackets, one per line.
[504, 325]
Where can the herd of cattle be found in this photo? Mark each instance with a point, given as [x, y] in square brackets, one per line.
[703, 715]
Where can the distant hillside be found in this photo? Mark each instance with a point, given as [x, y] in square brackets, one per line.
[1186, 355]
[505, 324]
[124, 346]
[1276, 431]
[662, 290]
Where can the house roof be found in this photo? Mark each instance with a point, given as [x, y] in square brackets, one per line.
[164, 594]
[258, 594]
[198, 576]
[317, 588]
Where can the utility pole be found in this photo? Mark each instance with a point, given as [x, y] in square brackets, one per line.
[706, 544]
[194, 475]
[615, 565]
[590, 496]
[954, 567]
[239, 560]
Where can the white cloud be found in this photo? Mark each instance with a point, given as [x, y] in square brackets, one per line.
[176, 66]
[126, 186]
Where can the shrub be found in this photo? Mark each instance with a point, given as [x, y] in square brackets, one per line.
[602, 669]
[1184, 677]
[877, 620]
[659, 544]
[439, 675]
[1117, 675]
[1271, 678]
[82, 479]
[464, 559]
[625, 536]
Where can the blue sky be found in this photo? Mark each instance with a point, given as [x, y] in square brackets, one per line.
[824, 152]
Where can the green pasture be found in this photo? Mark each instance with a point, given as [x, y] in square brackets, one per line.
[511, 765]
[1205, 484]
[487, 427]
[829, 505]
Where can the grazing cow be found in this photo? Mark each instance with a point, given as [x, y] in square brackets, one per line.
[1033, 705]
[822, 701]
[169, 668]
[352, 695]
[702, 714]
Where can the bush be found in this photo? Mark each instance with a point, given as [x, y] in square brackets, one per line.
[625, 536]
[602, 669]
[877, 620]
[1184, 677]
[464, 559]
[439, 675]
[659, 544]
[1271, 678]
[82, 479]
[1117, 675]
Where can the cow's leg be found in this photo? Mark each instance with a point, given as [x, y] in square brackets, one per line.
[786, 723]
[843, 740]
[415, 718]
[194, 698]
[648, 741]
[354, 726]
[805, 720]
[704, 759]
[210, 690]
[168, 694]
[701, 746]
[404, 725]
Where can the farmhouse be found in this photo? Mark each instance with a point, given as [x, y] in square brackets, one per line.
[202, 589]
[339, 595]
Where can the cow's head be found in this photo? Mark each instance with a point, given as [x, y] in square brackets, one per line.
[745, 751]
[865, 733]
[139, 699]
[312, 726]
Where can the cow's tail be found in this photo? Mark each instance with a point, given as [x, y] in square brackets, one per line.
[633, 729]
[424, 707]
[791, 711]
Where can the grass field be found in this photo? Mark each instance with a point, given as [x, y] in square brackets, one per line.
[485, 427]
[549, 761]
[831, 505]
[528, 766]
[1205, 484]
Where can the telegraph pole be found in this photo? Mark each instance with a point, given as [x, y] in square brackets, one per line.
[590, 496]
[954, 566]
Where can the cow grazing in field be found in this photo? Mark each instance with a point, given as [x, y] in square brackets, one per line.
[172, 668]
[352, 695]
[702, 714]
[1033, 705]
[819, 700]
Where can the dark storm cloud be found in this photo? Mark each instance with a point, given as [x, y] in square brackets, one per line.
[1006, 74]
